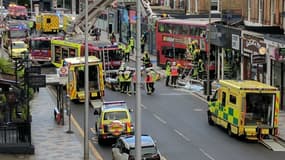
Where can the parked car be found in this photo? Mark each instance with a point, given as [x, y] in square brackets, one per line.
[113, 121]
[124, 148]
[18, 48]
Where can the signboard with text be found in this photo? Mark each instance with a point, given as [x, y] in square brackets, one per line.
[37, 81]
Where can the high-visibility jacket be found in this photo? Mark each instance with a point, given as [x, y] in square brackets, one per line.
[154, 75]
[127, 49]
[174, 71]
[201, 67]
[121, 77]
[167, 70]
[132, 42]
[127, 76]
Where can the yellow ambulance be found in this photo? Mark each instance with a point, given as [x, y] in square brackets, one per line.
[247, 108]
[76, 74]
[47, 23]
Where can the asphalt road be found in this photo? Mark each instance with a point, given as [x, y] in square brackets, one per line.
[177, 121]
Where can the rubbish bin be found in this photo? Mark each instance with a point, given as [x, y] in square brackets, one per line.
[205, 85]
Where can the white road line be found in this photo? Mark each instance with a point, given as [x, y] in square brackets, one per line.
[143, 106]
[206, 154]
[182, 135]
[159, 118]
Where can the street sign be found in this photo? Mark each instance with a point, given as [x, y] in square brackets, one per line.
[63, 71]
[37, 80]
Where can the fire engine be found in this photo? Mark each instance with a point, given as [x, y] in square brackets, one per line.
[17, 11]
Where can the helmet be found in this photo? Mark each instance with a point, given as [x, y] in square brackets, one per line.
[178, 65]
[174, 63]
[200, 60]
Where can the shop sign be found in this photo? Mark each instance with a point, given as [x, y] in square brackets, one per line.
[253, 44]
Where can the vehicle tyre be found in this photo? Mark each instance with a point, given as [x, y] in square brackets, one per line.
[100, 141]
[210, 121]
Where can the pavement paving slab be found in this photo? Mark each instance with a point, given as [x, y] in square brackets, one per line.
[50, 139]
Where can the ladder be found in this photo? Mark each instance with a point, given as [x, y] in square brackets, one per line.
[94, 10]
[106, 61]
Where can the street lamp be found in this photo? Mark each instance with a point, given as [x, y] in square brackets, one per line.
[208, 52]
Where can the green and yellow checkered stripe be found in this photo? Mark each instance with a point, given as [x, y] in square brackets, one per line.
[228, 114]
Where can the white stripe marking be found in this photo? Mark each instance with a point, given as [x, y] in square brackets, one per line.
[143, 106]
[182, 135]
[159, 118]
[206, 154]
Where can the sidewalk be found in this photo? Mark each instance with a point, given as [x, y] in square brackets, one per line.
[50, 139]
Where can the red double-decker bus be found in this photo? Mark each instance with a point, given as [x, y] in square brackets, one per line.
[173, 37]
[40, 48]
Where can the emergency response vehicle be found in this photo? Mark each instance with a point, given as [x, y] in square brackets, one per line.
[40, 48]
[109, 54]
[113, 121]
[76, 74]
[14, 31]
[247, 108]
[17, 11]
[47, 23]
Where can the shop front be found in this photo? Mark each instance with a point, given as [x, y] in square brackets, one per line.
[253, 57]
[276, 69]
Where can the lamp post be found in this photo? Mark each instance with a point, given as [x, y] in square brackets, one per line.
[209, 51]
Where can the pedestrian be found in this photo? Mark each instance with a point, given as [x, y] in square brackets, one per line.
[174, 74]
[149, 82]
[132, 44]
[167, 73]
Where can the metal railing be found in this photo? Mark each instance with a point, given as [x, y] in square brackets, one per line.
[15, 133]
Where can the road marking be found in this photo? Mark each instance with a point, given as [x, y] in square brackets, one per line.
[143, 106]
[198, 109]
[206, 154]
[182, 135]
[159, 118]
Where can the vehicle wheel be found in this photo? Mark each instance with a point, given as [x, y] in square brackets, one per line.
[210, 121]
[100, 141]
[230, 133]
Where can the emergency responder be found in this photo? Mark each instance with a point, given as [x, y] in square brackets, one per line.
[134, 81]
[154, 78]
[167, 73]
[149, 82]
[146, 60]
[123, 46]
[121, 79]
[196, 54]
[127, 50]
[127, 79]
[132, 43]
[200, 68]
[174, 74]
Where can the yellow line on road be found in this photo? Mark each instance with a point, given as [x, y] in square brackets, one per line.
[76, 125]
[93, 149]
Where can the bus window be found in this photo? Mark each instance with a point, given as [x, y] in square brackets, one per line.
[168, 28]
[161, 28]
[57, 54]
[177, 53]
[71, 52]
[64, 53]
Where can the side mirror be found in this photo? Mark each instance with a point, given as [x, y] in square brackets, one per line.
[96, 112]
[131, 110]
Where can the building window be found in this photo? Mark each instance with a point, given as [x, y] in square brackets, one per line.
[214, 5]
